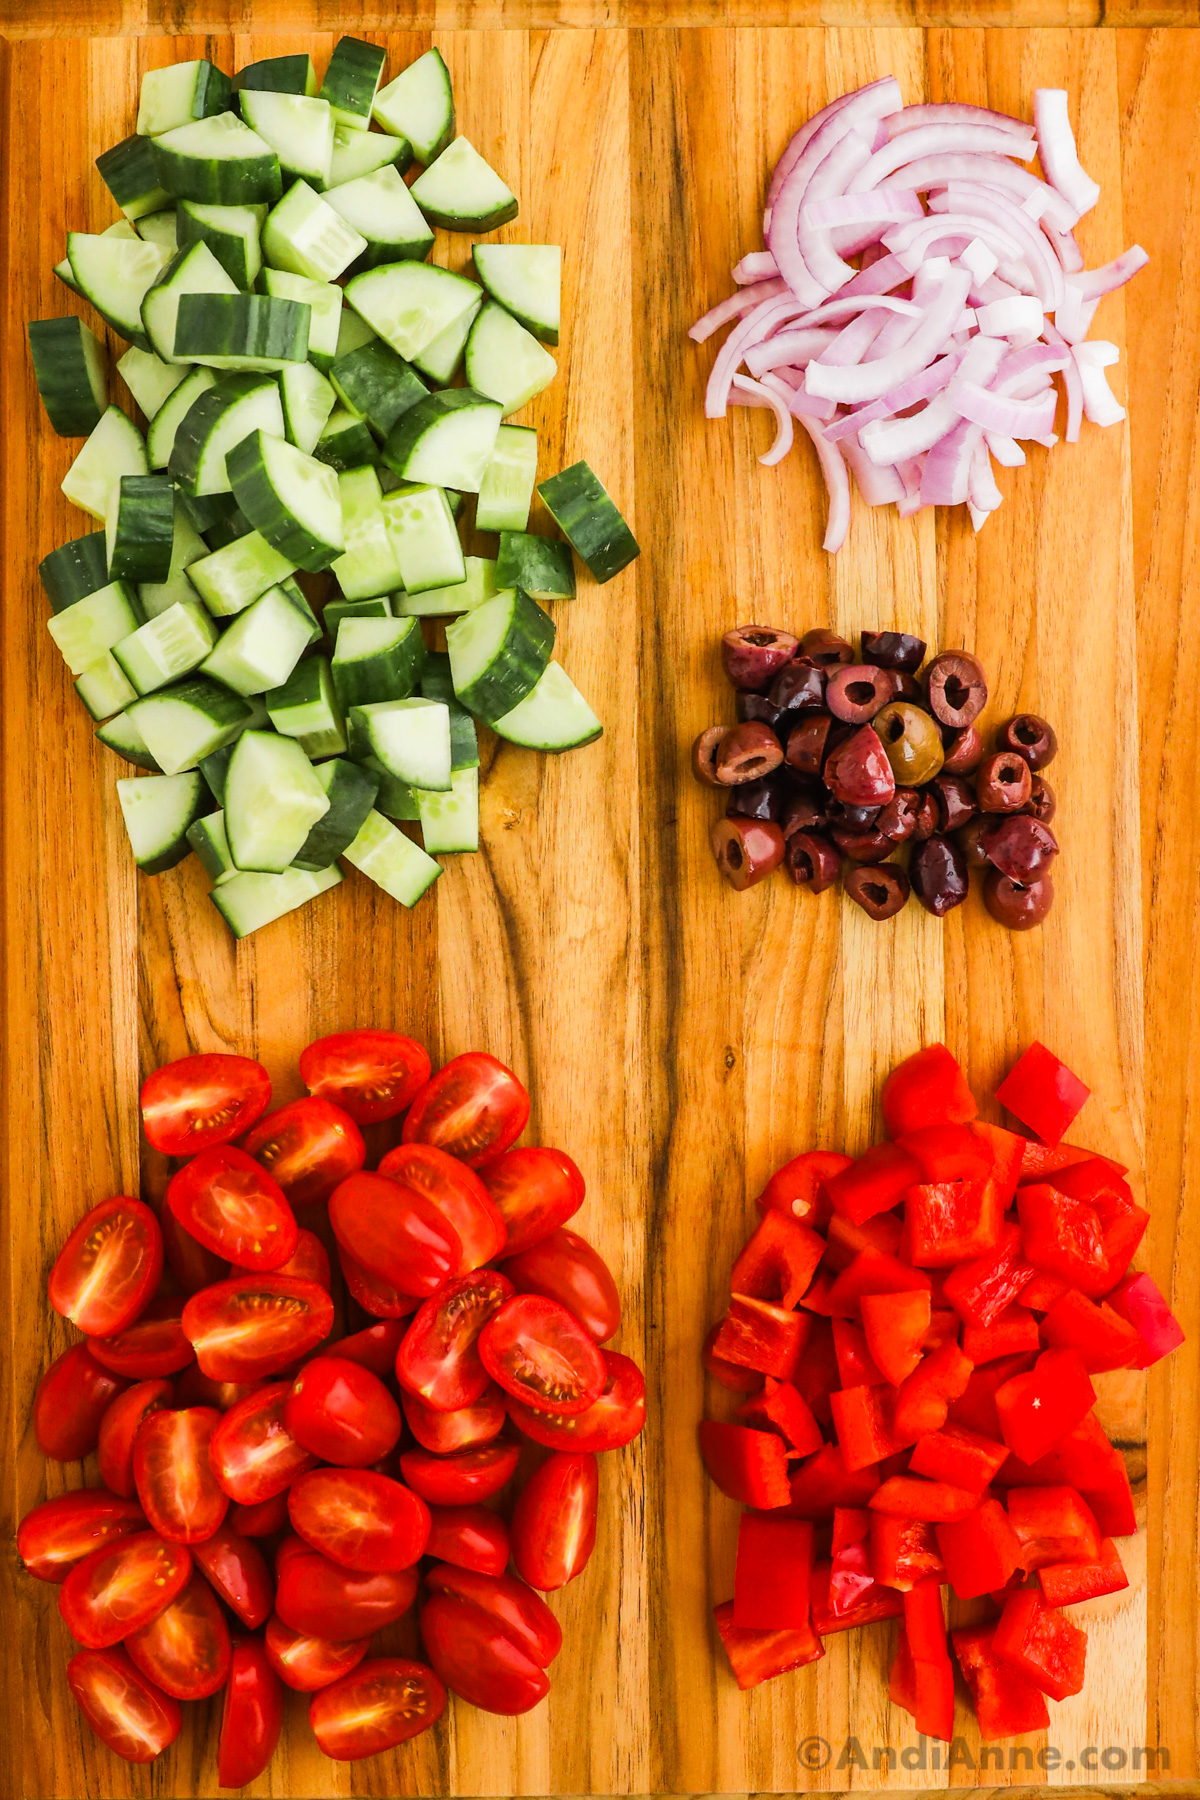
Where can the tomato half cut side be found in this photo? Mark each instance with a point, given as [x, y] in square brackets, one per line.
[372, 1293]
[179, 1492]
[190, 1263]
[185, 1650]
[535, 1191]
[383, 1703]
[319, 1598]
[255, 1325]
[458, 1194]
[253, 1454]
[564, 1267]
[155, 1344]
[131, 1716]
[339, 1411]
[358, 1519]
[118, 1589]
[473, 1108]
[308, 1146]
[236, 1569]
[308, 1663]
[468, 1429]
[231, 1206]
[199, 1101]
[439, 1359]
[119, 1428]
[615, 1419]
[253, 1715]
[371, 1075]
[554, 1524]
[394, 1232]
[108, 1268]
[477, 1661]
[542, 1356]
[61, 1532]
[462, 1478]
[71, 1400]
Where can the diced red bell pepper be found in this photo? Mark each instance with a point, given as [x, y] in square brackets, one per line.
[873, 1184]
[1008, 1156]
[873, 1273]
[895, 1325]
[949, 1152]
[1043, 1292]
[851, 1525]
[924, 1631]
[1139, 1301]
[1068, 1583]
[925, 1396]
[980, 1290]
[844, 1240]
[949, 1222]
[856, 1366]
[778, 1261]
[925, 1622]
[1013, 1331]
[770, 1583]
[798, 1190]
[926, 1089]
[1043, 1093]
[1042, 1644]
[1052, 1524]
[817, 1375]
[980, 1552]
[903, 1552]
[863, 1419]
[779, 1407]
[757, 1656]
[943, 1328]
[824, 1482]
[874, 1604]
[1102, 1337]
[1122, 1236]
[850, 1566]
[908, 1497]
[1006, 1702]
[1041, 1161]
[761, 1336]
[976, 1405]
[1037, 1409]
[730, 1375]
[750, 1466]
[954, 1454]
[1122, 1222]
[902, 1681]
[1085, 1460]
[817, 1298]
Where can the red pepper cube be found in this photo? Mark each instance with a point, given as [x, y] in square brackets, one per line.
[1085, 1460]
[1043, 1093]
[761, 1336]
[1139, 1301]
[1037, 1409]
[757, 1656]
[873, 1273]
[1053, 1525]
[1102, 1337]
[904, 1552]
[1007, 1704]
[949, 1152]
[798, 1190]
[873, 1604]
[850, 1576]
[1122, 1222]
[925, 1623]
[968, 1459]
[863, 1419]
[730, 1375]
[781, 1408]
[1042, 1644]
[824, 1482]
[817, 1299]
[873, 1184]
[1008, 1157]
[1013, 1331]
[750, 1466]
[817, 1375]
[1069, 1583]
[902, 1681]
[980, 1290]
[925, 1396]
[770, 1583]
[1063, 1237]
[856, 1365]
[843, 1240]
[975, 1407]
[926, 1089]
[943, 1328]
[949, 1222]
[980, 1552]
[934, 1710]
[908, 1497]
[1040, 1161]
[778, 1262]
[895, 1326]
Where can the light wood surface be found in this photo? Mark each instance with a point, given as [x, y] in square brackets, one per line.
[678, 1039]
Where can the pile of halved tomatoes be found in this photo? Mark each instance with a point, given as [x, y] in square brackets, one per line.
[272, 1499]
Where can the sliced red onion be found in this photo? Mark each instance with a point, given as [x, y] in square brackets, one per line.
[1063, 244]
[941, 140]
[1020, 319]
[1056, 147]
[1100, 404]
[983, 495]
[1006, 177]
[890, 89]
[930, 381]
[735, 307]
[752, 330]
[753, 393]
[837, 486]
[880, 208]
[947, 474]
[912, 243]
[787, 348]
[868, 381]
[879, 486]
[950, 112]
[759, 265]
[1093, 283]
[996, 412]
[1007, 452]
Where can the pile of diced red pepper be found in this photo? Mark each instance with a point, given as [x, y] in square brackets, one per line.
[915, 1332]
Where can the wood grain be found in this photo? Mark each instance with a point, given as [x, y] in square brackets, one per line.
[679, 1039]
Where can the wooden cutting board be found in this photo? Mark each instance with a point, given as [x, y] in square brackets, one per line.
[679, 1040]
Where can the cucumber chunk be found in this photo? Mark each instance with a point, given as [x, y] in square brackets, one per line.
[447, 439]
[104, 688]
[437, 684]
[440, 359]
[376, 384]
[307, 236]
[219, 161]
[160, 438]
[263, 645]
[151, 382]
[248, 902]
[425, 540]
[178, 94]
[115, 448]
[410, 738]
[308, 399]
[462, 192]
[231, 233]
[292, 499]
[352, 331]
[278, 75]
[419, 106]
[450, 821]
[207, 838]
[84, 631]
[581, 508]
[479, 584]
[370, 566]
[381, 211]
[158, 809]
[114, 274]
[305, 707]
[162, 230]
[526, 279]
[75, 570]
[358, 153]
[542, 566]
[181, 725]
[555, 716]
[324, 300]
[345, 443]
[273, 798]
[352, 81]
[408, 304]
[378, 606]
[195, 270]
[122, 735]
[505, 361]
[140, 528]
[241, 331]
[129, 173]
[69, 368]
[506, 491]
[219, 419]
[298, 129]
[498, 653]
[166, 647]
[397, 865]
[352, 792]
[187, 547]
[376, 659]
[229, 579]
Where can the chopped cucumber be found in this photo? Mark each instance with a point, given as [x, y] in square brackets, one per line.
[105, 689]
[298, 129]
[306, 708]
[581, 508]
[411, 738]
[291, 498]
[308, 399]
[140, 528]
[161, 229]
[462, 192]
[419, 106]
[447, 439]
[450, 821]
[181, 725]
[207, 838]
[542, 566]
[75, 570]
[346, 442]
[506, 361]
[187, 547]
[437, 684]
[425, 540]
[129, 173]
[273, 798]
[219, 419]
[394, 798]
[229, 579]
[352, 81]
[370, 565]
[115, 448]
[158, 809]
[506, 491]
[409, 304]
[166, 647]
[498, 653]
[307, 236]
[241, 331]
[263, 645]
[84, 631]
[278, 75]
[376, 659]
[555, 716]
[219, 161]
[114, 274]
[353, 331]
[526, 279]
[376, 384]
[231, 233]
[179, 93]
[151, 382]
[160, 438]
[381, 211]
[397, 865]
[379, 606]
[248, 902]
[478, 585]
[440, 359]
[122, 735]
[352, 792]
[195, 270]
[324, 300]
[358, 153]
[69, 368]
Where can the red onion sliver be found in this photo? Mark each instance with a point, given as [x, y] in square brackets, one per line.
[879, 208]
[837, 486]
[951, 112]
[996, 412]
[941, 140]
[752, 393]
[931, 380]
[1093, 283]
[799, 143]
[1056, 146]
[786, 348]
[993, 171]
[759, 265]
[868, 381]
[735, 307]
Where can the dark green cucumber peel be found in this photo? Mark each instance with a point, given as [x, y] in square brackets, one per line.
[581, 507]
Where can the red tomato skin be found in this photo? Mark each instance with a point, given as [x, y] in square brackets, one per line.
[468, 1429]
[535, 1191]
[199, 1101]
[403, 1698]
[119, 1428]
[371, 1075]
[59, 1533]
[522, 1615]
[319, 1598]
[190, 1263]
[253, 1715]
[439, 1359]
[231, 1206]
[253, 1454]
[342, 1413]
[191, 1669]
[375, 1348]
[71, 1400]
[292, 1545]
[470, 1537]
[563, 1266]
[473, 1107]
[116, 1248]
[135, 1719]
[308, 1663]
[394, 1233]
[508, 1344]
[237, 1570]
[458, 1194]
[194, 1388]
[475, 1659]
[554, 1522]
[307, 1146]
[391, 1523]
[174, 1478]
[309, 1261]
[163, 1569]
[307, 1308]
[263, 1520]
[616, 1418]
[463, 1478]
[153, 1345]
[373, 1294]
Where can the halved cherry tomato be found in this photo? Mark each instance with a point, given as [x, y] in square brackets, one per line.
[439, 1359]
[395, 1232]
[155, 1344]
[308, 1146]
[319, 1598]
[292, 1545]
[253, 1715]
[463, 1477]
[473, 1107]
[522, 1615]
[255, 1325]
[383, 1703]
[122, 1587]
[371, 1075]
[253, 1454]
[375, 1348]
[542, 1356]
[61, 1532]
[119, 1427]
[186, 1649]
[309, 1261]
[468, 1429]
[535, 1191]
[232, 1207]
[108, 1268]
[71, 1400]
[199, 1101]
[554, 1524]
[470, 1537]
[176, 1485]
[458, 1194]
[190, 1263]
[263, 1520]
[564, 1267]
[477, 1661]
[342, 1413]
[373, 1294]
[358, 1519]
[237, 1570]
[193, 1388]
[309, 1663]
[616, 1418]
[135, 1719]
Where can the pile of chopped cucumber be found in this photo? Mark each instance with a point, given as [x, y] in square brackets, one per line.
[292, 354]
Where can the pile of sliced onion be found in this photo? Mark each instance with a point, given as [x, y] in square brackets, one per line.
[936, 349]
